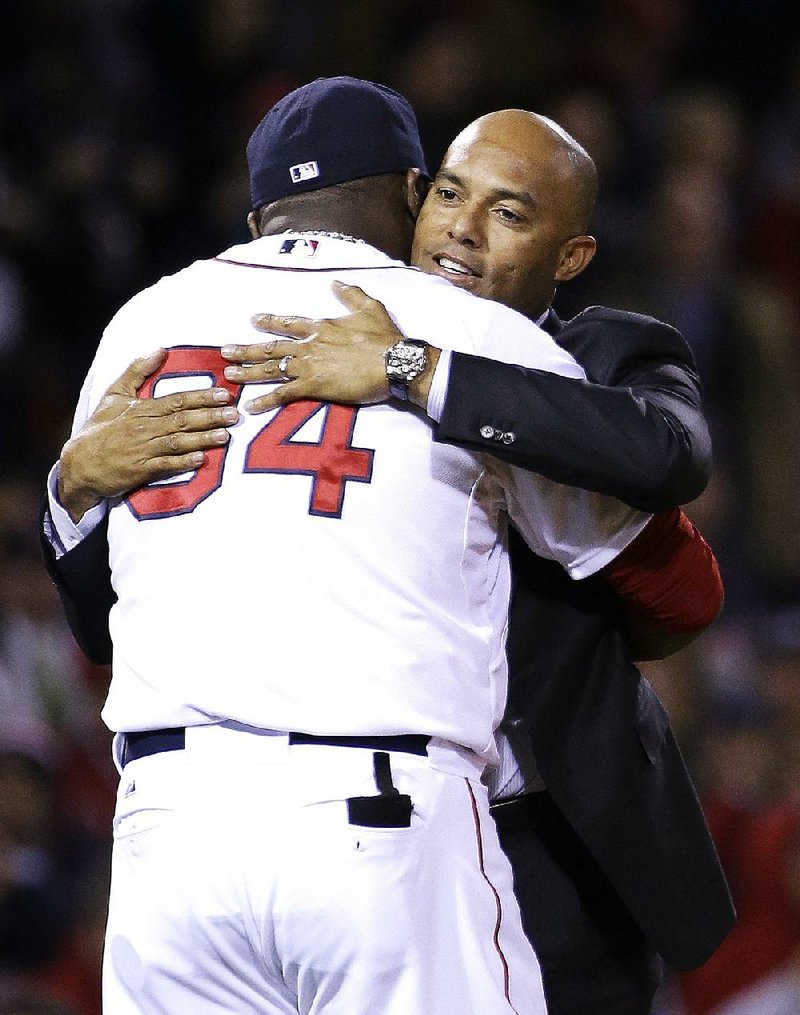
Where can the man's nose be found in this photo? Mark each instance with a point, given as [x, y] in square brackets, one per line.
[465, 227]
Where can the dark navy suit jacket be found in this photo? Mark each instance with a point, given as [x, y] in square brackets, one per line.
[600, 736]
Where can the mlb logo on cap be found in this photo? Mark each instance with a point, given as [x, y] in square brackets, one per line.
[354, 128]
[304, 171]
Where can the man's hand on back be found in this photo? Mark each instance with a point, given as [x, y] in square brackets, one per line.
[337, 359]
[128, 442]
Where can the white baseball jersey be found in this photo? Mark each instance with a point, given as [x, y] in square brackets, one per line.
[333, 569]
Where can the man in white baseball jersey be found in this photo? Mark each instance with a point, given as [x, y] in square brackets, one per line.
[301, 825]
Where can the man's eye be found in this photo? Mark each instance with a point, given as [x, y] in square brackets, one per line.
[507, 215]
[446, 194]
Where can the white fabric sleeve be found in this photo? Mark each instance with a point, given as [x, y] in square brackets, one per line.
[438, 389]
[580, 529]
[61, 532]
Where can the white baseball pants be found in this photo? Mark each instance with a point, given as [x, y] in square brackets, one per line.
[240, 885]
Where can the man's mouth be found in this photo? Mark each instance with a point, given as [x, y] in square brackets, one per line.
[452, 267]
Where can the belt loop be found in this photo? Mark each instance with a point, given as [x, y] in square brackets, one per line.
[382, 767]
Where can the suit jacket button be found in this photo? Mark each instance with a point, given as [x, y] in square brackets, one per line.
[487, 432]
[508, 437]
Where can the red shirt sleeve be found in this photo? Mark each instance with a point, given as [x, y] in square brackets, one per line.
[668, 575]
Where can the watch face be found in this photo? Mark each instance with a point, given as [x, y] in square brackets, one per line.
[407, 361]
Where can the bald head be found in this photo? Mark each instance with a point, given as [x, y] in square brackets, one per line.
[546, 148]
[507, 214]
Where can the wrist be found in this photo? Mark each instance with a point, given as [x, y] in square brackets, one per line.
[419, 388]
[75, 492]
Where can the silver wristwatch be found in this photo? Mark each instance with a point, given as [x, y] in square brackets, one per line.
[405, 361]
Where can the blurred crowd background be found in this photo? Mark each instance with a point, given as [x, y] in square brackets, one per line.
[122, 133]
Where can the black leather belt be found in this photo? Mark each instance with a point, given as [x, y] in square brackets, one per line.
[142, 745]
[521, 812]
[406, 743]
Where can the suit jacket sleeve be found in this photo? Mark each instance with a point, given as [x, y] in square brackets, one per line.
[83, 580]
[634, 431]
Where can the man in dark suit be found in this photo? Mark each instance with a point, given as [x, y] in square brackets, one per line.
[613, 863]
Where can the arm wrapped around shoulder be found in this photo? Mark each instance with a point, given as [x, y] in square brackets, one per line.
[669, 581]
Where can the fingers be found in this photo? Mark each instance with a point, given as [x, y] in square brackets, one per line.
[258, 354]
[169, 466]
[174, 446]
[291, 327]
[353, 297]
[202, 408]
[281, 394]
[134, 376]
[198, 420]
[166, 468]
[278, 367]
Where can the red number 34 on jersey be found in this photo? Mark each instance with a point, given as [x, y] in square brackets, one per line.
[330, 462]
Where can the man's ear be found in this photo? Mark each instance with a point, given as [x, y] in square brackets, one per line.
[252, 225]
[574, 256]
[417, 185]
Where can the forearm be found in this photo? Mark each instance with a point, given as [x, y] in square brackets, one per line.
[648, 447]
[669, 583]
[82, 577]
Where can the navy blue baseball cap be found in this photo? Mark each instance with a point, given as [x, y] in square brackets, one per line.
[330, 131]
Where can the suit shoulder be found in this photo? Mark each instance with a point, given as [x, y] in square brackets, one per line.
[622, 319]
[625, 323]
[608, 339]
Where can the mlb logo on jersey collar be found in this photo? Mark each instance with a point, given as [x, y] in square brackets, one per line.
[304, 171]
[299, 248]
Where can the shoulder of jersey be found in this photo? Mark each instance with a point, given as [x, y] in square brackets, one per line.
[164, 292]
[462, 302]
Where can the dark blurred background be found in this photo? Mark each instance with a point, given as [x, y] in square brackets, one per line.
[122, 133]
